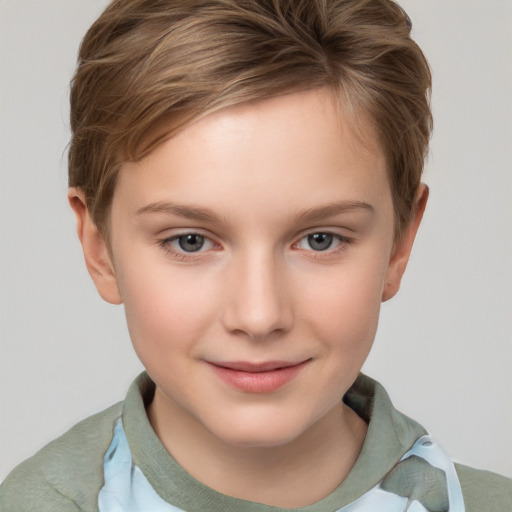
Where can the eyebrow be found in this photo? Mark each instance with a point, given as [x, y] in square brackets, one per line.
[189, 212]
[207, 215]
[331, 210]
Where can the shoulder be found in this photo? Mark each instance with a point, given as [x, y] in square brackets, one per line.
[483, 490]
[65, 475]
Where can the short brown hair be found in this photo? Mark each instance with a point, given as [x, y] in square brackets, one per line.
[147, 68]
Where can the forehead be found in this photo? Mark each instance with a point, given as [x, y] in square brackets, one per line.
[304, 146]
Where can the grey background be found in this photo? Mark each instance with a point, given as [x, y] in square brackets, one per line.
[444, 348]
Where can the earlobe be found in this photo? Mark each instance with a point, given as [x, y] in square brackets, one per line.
[403, 247]
[94, 246]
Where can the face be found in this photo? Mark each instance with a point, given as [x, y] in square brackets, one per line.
[252, 252]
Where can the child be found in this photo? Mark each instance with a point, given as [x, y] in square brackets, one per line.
[246, 181]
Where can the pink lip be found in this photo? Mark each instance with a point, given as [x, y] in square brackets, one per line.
[257, 377]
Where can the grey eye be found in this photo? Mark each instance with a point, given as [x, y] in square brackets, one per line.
[320, 241]
[191, 242]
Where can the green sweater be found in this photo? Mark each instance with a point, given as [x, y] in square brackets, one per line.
[117, 451]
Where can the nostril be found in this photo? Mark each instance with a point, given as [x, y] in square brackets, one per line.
[256, 304]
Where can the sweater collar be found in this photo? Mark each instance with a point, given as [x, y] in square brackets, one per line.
[390, 435]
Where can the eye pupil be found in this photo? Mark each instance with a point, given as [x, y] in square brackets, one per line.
[191, 243]
[320, 241]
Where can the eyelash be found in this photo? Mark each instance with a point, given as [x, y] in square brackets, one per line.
[342, 243]
[167, 245]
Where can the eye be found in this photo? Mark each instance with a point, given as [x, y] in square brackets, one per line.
[321, 241]
[187, 243]
[191, 242]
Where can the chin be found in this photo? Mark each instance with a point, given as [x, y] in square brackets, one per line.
[262, 433]
[258, 440]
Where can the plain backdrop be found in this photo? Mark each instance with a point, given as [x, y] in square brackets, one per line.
[444, 346]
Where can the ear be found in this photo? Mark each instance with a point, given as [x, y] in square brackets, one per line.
[403, 246]
[96, 254]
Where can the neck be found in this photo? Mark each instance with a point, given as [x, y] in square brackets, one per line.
[295, 474]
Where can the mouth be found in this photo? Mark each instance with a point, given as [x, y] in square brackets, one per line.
[264, 377]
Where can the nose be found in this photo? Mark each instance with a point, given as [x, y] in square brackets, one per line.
[258, 305]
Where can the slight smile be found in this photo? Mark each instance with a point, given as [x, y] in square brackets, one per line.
[263, 377]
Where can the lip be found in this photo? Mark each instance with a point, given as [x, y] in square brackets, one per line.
[264, 377]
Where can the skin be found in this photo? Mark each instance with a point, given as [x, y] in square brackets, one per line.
[255, 181]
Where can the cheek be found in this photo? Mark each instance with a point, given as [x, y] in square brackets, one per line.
[165, 310]
[345, 306]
